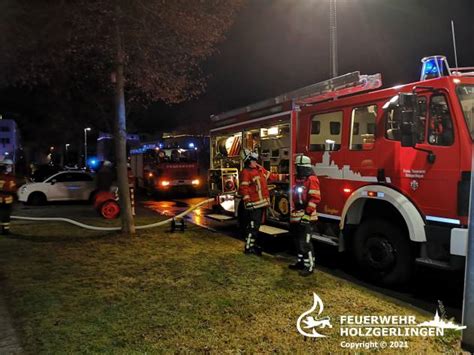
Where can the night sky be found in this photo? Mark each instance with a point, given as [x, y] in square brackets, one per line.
[276, 46]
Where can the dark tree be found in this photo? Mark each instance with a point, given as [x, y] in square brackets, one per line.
[144, 50]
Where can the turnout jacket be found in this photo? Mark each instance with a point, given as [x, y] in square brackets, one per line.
[7, 188]
[306, 196]
[253, 186]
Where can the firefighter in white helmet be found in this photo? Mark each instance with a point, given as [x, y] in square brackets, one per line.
[306, 196]
[255, 195]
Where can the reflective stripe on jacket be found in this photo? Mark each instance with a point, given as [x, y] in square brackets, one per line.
[253, 186]
[306, 196]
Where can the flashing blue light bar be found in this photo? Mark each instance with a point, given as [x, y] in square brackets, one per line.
[434, 67]
[191, 145]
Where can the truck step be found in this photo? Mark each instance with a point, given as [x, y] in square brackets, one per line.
[270, 230]
[326, 239]
[219, 217]
[434, 263]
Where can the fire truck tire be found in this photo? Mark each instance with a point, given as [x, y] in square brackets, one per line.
[37, 199]
[383, 252]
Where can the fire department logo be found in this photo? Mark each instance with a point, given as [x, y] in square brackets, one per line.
[414, 185]
[309, 321]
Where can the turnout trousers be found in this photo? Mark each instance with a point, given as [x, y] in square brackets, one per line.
[304, 247]
[5, 212]
[253, 220]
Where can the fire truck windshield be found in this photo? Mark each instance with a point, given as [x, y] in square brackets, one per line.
[466, 97]
[175, 155]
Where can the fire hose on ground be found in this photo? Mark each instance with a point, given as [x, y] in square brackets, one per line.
[96, 228]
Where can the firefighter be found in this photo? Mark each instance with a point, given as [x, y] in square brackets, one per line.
[255, 196]
[7, 190]
[303, 217]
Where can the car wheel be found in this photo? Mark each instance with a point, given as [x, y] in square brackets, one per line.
[110, 209]
[37, 199]
[383, 252]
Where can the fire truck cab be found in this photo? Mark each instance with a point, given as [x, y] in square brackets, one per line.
[394, 164]
[170, 164]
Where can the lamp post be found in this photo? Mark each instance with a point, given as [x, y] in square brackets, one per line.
[332, 38]
[66, 155]
[85, 145]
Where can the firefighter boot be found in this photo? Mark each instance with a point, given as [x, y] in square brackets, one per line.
[308, 265]
[251, 246]
[299, 265]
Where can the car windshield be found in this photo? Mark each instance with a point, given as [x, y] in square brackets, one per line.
[466, 97]
[43, 172]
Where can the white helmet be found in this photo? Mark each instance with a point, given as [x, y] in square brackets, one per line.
[247, 155]
[303, 160]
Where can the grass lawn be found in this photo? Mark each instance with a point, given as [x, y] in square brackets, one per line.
[71, 290]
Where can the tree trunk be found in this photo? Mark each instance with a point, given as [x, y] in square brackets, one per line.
[120, 138]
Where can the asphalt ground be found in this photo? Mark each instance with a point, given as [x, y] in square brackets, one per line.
[428, 289]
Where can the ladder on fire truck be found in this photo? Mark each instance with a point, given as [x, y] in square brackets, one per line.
[344, 85]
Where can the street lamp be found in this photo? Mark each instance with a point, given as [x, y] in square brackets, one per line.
[85, 145]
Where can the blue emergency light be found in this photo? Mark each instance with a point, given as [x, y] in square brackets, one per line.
[191, 145]
[92, 162]
[434, 67]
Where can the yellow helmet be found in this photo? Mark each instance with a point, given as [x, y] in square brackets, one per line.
[303, 160]
[247, 155]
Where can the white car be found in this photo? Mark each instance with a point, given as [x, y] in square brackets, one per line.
[62, 186]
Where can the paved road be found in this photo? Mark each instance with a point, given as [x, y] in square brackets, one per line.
[429, 286]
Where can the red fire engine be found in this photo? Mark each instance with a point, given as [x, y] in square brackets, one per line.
[167, 165]
[394, 164]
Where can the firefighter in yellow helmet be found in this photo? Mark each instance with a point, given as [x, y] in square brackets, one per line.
[303, 217]
[256, 197]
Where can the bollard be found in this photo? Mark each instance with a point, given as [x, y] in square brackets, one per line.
[132, 198]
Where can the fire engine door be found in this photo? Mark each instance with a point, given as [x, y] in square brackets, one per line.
[431, 185]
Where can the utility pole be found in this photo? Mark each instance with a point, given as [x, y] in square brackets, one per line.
[85, 145]
[332, 38]
[467, 341]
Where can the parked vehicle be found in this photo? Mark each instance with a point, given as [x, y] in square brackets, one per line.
[394, 164]
[62, 186]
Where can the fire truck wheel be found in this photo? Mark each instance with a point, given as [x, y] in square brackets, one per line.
[110, 209]
[383, 252]
[37, 199]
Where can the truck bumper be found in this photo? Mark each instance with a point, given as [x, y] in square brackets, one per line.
[446, 245]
